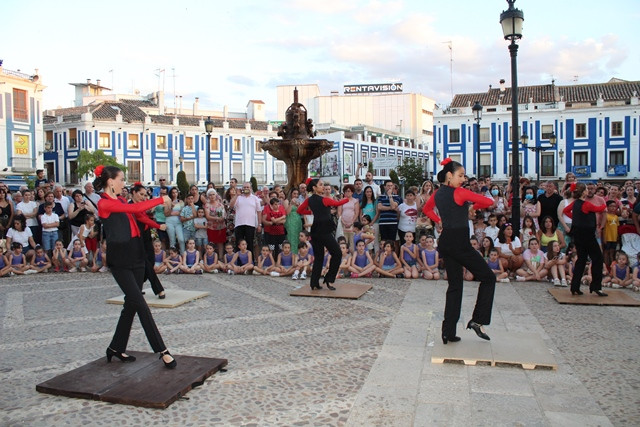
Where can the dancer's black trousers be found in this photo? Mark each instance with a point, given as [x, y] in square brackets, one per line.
[130, 281]
[319, 241]
[587, 246]
[455, 249]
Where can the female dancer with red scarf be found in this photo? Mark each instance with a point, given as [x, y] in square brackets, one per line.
[125, 258]
[452, 202]
[322, 233]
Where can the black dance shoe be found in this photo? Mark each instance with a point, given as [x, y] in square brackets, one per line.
[331, 288]
[446, 339]
[121, 356]
[162, 295]
[169, 365]
[599, 293]
[578, 292]
[478, 330]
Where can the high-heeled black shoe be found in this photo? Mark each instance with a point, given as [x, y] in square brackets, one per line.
[162, 295]
[599, 293]
[478, 330]
[121, 356]
[578, 292]
[446, 339]
[169, 365]
[331, 288]
[315, 287]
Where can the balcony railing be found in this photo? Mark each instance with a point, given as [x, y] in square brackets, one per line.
[21, 164]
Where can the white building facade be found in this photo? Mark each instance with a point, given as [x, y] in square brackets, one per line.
[595, 125]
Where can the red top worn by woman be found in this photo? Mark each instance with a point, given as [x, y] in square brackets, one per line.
[460, 197]
[587, 207]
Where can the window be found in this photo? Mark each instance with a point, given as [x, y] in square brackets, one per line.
[616, 157]
[616, 128]
[581, 130]
[485, 165]
[162, 170]
[280, 171]
[188, 143]
[189, 168]
[73, 138]
[20, 110]
[258, 147]
[48, 140]
[161, 142]
[132, 141]
[216, 174]
[214, 145]
[580, 158]
[456, 157]
[547, 130]
[485, 135]
[237, 145]
[259, 173]
[104, 141]
[133, 170]
[511, 133]
[510, 159]
[547, 164]
[454, 135]
[236, 171]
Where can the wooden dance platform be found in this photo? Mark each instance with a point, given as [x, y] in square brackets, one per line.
[343, 290]
[174, 298]
[615, 297]
[145, 382]
[523, 349]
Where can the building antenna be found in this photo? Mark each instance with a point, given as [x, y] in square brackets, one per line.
[175, 96]
[158, 73]
[450, 45]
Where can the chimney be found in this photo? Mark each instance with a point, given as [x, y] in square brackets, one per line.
[98, 82]
[225, 112]
[88, 81]
[180, 105]
[195, 106]
[502, 81]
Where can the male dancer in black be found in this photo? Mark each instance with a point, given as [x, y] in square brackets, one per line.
[321, 233]
[453, 202]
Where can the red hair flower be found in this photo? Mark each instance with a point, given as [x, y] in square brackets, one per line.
[572, 187]
[138, 183]
[98, 170]
[446, 161]
[307, 181]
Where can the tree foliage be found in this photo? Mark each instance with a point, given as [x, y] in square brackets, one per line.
[88, 161]
[254, 184]
[393, 176]
[183, 184]
[412, 172]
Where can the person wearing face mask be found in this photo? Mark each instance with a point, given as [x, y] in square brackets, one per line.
[529, 206]
[549, 201]
[453, 204]
[500, 205]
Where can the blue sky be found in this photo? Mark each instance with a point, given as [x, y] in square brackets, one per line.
[227, 53]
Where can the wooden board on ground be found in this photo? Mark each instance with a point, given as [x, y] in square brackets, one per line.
[505, 348]
[174, 298]
[343, 290]
[615, 297]
[145, 382]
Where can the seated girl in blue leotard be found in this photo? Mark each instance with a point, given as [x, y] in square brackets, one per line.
[266, 264]
[430, 260]
[40, 262]
[409, 256]
[210, 262]
[362, 264]
[388, 263]
[191, 259]
[286, 263]
[242, 262]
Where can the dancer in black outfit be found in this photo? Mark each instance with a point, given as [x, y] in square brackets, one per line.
[145, 224]
[454, 247]
[583, 229]
[126, 259]
[321, 233]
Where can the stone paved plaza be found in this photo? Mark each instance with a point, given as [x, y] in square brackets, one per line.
[326, 362]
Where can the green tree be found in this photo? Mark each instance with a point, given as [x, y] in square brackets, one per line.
[30, 180]
[412, 172]
[254, 184]
[393, 176]
[183, 184]
[88, 161]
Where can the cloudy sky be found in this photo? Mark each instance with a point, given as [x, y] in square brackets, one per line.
[228, 52]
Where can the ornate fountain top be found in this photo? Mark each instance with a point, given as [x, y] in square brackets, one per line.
[296, 124]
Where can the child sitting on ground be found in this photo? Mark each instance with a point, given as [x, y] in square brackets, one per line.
[88, 237]
[620, 272]
[494, 264]
[59, 257]
[76, 258]
[159, 257]
[556, 261]
[100, 259]
[5, 267]
[286, 262]
[242, 262]
[388, 263]
[40, 262]
[173, 261]
[17, 260]
[191, 259]
[430, 260]
[266, 265]
[362, 264]
[305, 237]
[534, 263]
[345, 262]
[304, 261]
[409, 256]
[227, 259]
[210, 258]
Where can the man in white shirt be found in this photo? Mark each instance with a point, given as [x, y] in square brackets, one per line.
[248, 219]
[29, 209]
[90, 194]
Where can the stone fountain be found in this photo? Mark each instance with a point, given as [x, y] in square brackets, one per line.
[297, 146]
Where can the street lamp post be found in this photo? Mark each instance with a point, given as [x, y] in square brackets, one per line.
[208, 127]
[511, 21]
[538, 149]
[477, 115]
